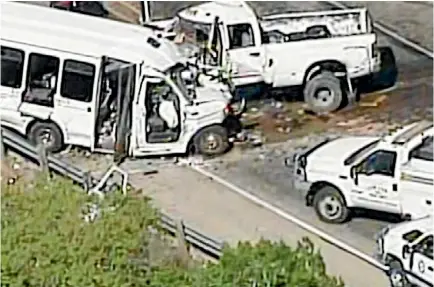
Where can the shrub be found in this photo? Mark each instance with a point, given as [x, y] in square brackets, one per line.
[46, 241]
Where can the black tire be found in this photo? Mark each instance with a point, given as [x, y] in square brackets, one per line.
[218, 144]
[396, 274]
[47, 134]
[330, 86]
[330, 206]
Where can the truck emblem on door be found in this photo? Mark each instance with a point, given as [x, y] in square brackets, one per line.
[421, 266]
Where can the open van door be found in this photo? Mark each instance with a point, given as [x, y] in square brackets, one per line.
[125, 98]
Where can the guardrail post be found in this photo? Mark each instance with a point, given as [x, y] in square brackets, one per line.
[43, 160]
[2, 146]
[183, 252]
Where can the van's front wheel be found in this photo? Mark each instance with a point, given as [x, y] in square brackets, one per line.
[211, 141]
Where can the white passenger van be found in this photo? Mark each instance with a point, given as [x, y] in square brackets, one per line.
[72, 79]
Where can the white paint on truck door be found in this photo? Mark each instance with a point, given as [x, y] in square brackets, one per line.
[376, 184]
[421, 261]
[246, 51]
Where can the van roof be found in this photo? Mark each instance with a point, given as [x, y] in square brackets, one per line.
[85, 35]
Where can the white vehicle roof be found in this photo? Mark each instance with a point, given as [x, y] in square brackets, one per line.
[409, 132]
[230, 12]
[85, 35]
[424, 225]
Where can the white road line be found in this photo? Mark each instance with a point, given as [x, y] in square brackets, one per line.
[391, 34]
[310, 228]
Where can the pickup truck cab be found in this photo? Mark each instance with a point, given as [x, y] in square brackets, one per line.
[392, 174]
[322, 52]
[407, 249]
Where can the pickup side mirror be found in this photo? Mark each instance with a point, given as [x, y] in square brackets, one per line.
[406, 250]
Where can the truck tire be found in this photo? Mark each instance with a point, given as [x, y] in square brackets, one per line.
[323, 93]
[330, 205]
[211, 141]
[396, 274]
[48, 135]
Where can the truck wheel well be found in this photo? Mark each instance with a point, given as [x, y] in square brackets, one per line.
[318, 186]
[327, 65]
[390, 258]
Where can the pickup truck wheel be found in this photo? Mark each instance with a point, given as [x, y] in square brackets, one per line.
[396, 274]
[330, 206]
[48, 135]
[211, 141]
[323, 93]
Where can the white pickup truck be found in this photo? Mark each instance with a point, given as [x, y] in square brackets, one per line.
[324, 53]
[407, 249]
[393, 174]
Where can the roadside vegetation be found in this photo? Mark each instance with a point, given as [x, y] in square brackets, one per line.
[53, 234]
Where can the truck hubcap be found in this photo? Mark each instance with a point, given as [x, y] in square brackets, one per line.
[211, 142]
[396, 279]
[324, 97]
[331, 207]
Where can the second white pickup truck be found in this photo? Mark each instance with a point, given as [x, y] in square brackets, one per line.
[393, 174]
[324, 53]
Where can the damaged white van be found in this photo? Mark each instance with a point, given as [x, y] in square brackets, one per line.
[72, 79]
[393, 174]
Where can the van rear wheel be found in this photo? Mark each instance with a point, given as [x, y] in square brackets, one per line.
[330, 205]
[48, 135]
[211, 141]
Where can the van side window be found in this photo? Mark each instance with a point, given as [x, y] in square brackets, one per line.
[12, 65]
[424, 151]
[241, 36]
[381, 162]
[42, 78]
[77, 80]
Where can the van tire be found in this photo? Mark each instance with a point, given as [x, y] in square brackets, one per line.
[396, 274]
[47, 134]
[330, 206]
[211, 141]
[323, 93]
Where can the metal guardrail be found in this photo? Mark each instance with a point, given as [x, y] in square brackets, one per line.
[23, 147]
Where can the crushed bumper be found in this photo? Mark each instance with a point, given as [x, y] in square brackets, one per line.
[233, 125]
